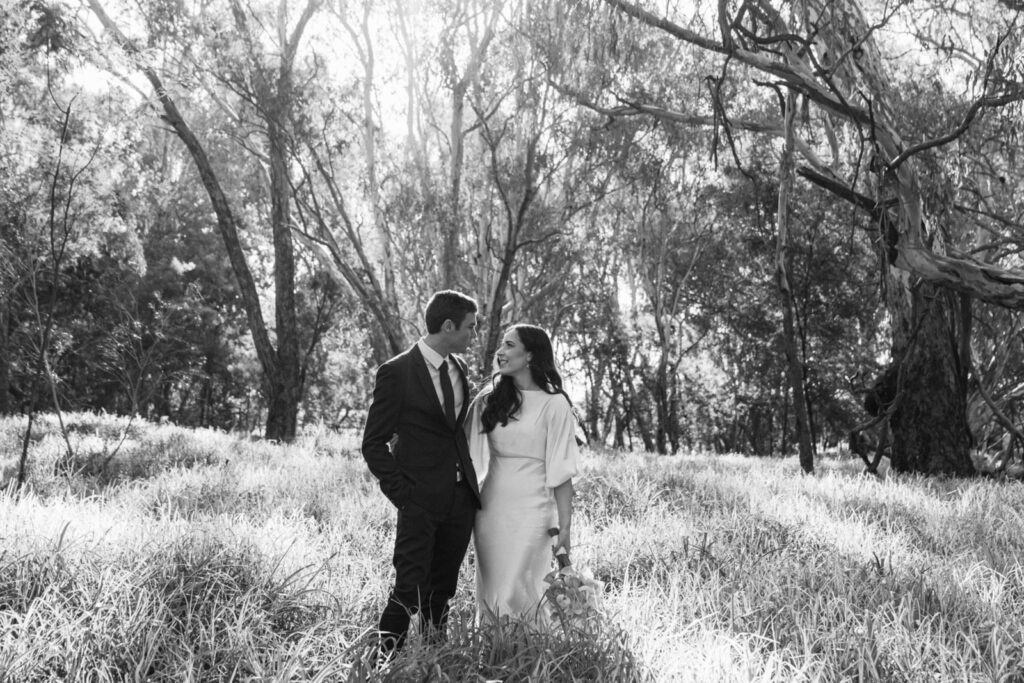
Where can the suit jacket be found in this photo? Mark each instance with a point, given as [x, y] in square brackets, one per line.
[419, 467]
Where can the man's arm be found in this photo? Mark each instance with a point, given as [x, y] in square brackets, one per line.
[381, 426]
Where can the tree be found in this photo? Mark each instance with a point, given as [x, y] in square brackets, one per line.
[268, 85]
[533, 169]
[829, 54]
[341, 186]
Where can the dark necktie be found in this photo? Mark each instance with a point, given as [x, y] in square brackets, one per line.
[448, 393]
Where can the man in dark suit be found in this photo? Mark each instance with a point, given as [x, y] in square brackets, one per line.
[414, 443]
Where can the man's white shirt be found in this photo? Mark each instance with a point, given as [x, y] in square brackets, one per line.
[434, 360]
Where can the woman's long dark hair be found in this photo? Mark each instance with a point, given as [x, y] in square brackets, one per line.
[505, 399]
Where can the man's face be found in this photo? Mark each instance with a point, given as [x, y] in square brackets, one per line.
[459, 338]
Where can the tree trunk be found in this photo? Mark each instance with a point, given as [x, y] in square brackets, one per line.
[661, 402]
[452, 231]
[674, 433]
[619, 441]
[793, 364]
[496, 306]
[282, 409]
[462, 80]
[664, 374]
[637, 414]
[611, 415]
[515, 221]
[284, 387]
[5, 363]
[594, 372]
[284, 384]
[930, 433]
[379, 225]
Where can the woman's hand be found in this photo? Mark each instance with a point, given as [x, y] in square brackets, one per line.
[563, 542]
[563, 504]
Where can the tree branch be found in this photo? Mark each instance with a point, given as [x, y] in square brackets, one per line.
[972, 112]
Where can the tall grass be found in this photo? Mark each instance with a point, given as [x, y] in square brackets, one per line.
[165, 554]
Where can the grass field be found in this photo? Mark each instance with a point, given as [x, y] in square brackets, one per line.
[185, 555]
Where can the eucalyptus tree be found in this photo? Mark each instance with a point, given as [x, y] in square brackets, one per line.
[454, 165]
[834, 287]
[461, 49]
[851, 140]
[529, 175]
[355, 19]
[345, 161]
[384, 161]
[666, 220]
[253, 52]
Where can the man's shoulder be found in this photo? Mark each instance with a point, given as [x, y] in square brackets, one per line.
[406, 356]
[401, 361]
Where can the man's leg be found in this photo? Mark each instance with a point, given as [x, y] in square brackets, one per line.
[451, 541]
[414, 547]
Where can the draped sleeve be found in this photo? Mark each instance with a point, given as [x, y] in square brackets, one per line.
[561, 456]
[479, 449]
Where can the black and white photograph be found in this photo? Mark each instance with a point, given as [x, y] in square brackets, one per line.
[511, 341]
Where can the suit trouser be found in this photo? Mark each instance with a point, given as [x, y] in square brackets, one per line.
[429, 549]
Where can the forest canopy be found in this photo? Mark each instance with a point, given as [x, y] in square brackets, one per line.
[750, 226]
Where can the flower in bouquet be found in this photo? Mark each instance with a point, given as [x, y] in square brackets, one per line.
[573, 596]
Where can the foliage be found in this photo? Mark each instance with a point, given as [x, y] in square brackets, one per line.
[677, 66]
[498, 147]
[67, 163]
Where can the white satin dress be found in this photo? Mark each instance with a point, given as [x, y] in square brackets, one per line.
[519, 464]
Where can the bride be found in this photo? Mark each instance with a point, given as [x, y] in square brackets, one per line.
[522, 438]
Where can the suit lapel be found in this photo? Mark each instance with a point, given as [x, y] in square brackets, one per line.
[426, 383]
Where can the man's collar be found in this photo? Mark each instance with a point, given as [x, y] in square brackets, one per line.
[430, 355]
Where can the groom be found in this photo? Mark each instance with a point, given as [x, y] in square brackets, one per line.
[415, 445]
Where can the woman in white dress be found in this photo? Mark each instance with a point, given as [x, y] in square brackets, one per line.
[522, 438]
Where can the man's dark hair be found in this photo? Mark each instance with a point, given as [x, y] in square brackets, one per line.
[447, 305]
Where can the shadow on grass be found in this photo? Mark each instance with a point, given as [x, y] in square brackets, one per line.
[508, 651]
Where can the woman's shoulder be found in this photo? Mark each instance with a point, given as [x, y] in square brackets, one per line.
[556, 401]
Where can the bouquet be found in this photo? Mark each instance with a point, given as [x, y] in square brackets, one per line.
[573, 596]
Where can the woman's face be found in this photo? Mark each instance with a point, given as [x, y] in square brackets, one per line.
[512, 357]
